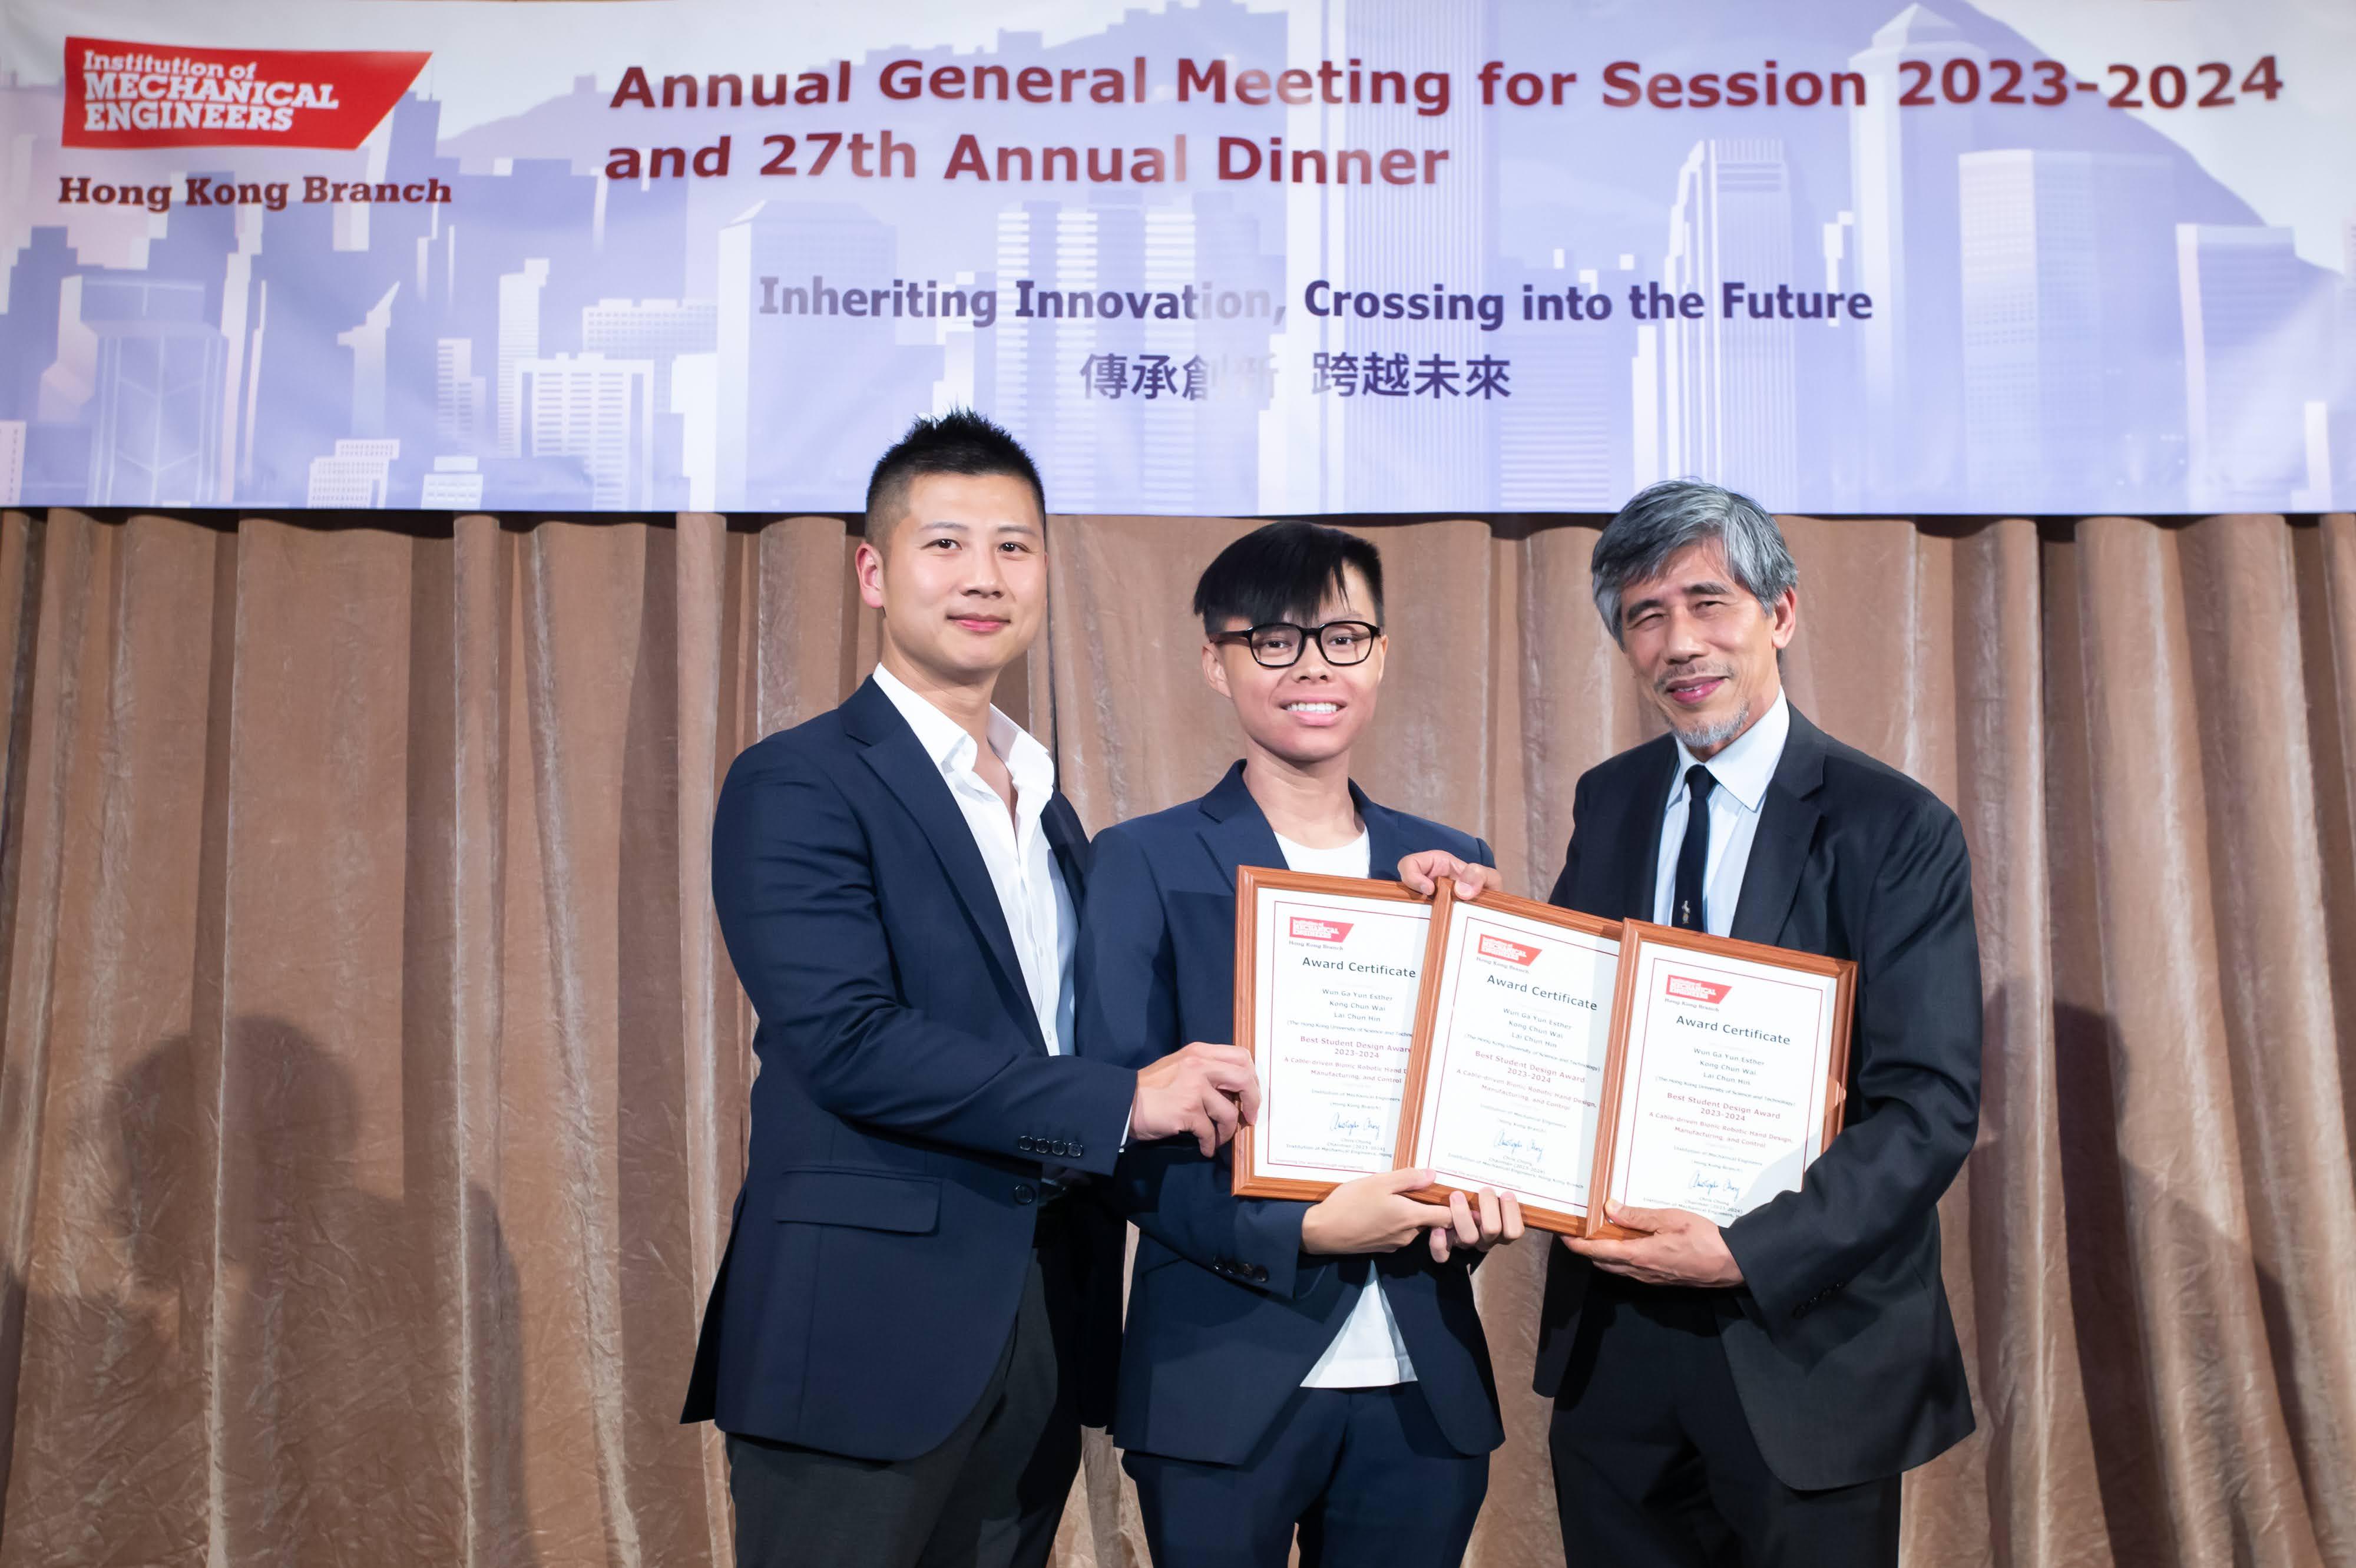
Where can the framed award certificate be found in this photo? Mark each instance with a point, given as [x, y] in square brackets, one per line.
[1727, 1073]
[1328, 974]
[1505, 1085]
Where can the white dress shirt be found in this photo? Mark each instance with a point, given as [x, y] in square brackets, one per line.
[1368, 1352]
[1743, 770]
[1030, 891]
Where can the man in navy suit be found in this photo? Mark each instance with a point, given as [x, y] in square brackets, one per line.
[1285, 1364]
[1752, 1392]
[919, 1300]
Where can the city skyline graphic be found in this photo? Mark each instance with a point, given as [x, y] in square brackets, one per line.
[2064, 312]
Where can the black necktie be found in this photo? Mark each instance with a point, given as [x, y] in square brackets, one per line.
[1690, 912]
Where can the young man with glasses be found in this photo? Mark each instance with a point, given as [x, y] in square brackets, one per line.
[1285, 1364]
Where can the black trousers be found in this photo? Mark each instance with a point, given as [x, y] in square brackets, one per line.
[991, 1494]
[1364, 1473]
[1655, 1465]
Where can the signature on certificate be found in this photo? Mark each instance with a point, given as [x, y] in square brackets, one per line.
[1721, 1191]
[1519, 1145]
[1356, 1128]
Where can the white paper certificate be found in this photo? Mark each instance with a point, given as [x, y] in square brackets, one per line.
[1334, 982]
[1728, 1064]
[1520, 1036]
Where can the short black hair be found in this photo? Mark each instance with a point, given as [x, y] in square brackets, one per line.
[958, 441]
[1283, 571]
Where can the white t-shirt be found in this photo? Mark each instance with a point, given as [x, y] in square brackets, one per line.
[1368, 1352]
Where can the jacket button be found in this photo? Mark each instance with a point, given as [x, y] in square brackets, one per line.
[1026, 1193]
[1258, 1274]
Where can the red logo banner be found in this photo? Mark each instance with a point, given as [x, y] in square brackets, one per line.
[172, 95]
[1512, 953]
[1316, 931]
[1686, 988]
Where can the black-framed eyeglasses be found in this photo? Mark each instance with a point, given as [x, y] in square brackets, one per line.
[1279, 644]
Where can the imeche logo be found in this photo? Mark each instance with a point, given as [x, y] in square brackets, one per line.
[1308, 929]
[1685, 988]
[1512, 953]
[125, 94]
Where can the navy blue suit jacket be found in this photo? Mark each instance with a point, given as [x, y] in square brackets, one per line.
[1226, 1315]
[1839, 1338]
[904, 1105]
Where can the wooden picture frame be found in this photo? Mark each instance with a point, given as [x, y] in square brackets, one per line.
[1410, 1152]
[1639, 938]
[1251, 881]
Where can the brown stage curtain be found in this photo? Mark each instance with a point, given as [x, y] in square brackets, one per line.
[373, 1084]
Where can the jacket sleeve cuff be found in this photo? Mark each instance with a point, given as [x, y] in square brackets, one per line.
[1267, 1241]
[1107, 1093]
[1771, 1285]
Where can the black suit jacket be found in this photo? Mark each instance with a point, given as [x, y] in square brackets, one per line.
[904, 1107]
[1840, 1342]
[1226, 1314]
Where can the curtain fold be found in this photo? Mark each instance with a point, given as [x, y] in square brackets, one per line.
[373, 1086]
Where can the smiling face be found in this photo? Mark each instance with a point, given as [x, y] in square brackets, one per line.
[961, 578]
[1704, 647]
[1311, 713]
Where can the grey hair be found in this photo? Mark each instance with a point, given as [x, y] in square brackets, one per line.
[1667, 518]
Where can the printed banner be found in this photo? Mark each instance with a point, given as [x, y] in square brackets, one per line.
[1204, 257]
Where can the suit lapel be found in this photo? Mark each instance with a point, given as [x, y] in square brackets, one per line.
[894, 753]
[1233, 832]
[1070, 843]
[1787, 829]
[1386, 843]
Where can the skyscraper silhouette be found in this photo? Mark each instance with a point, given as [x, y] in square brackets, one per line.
[11, 461]
[784, 333]
[1563, 437]
[1405, 453]
[459, 396]
[518, 340]
[658, 331]
[2251, 312]
[1730, 385]
[2070, 327]
[1904, 190]
[157, 408]
[357, 476]
[596, 410]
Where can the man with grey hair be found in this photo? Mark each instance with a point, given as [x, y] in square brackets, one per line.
[1750, 1393]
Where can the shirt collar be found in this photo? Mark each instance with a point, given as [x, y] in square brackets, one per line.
[951, 746]
[1746, 765]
